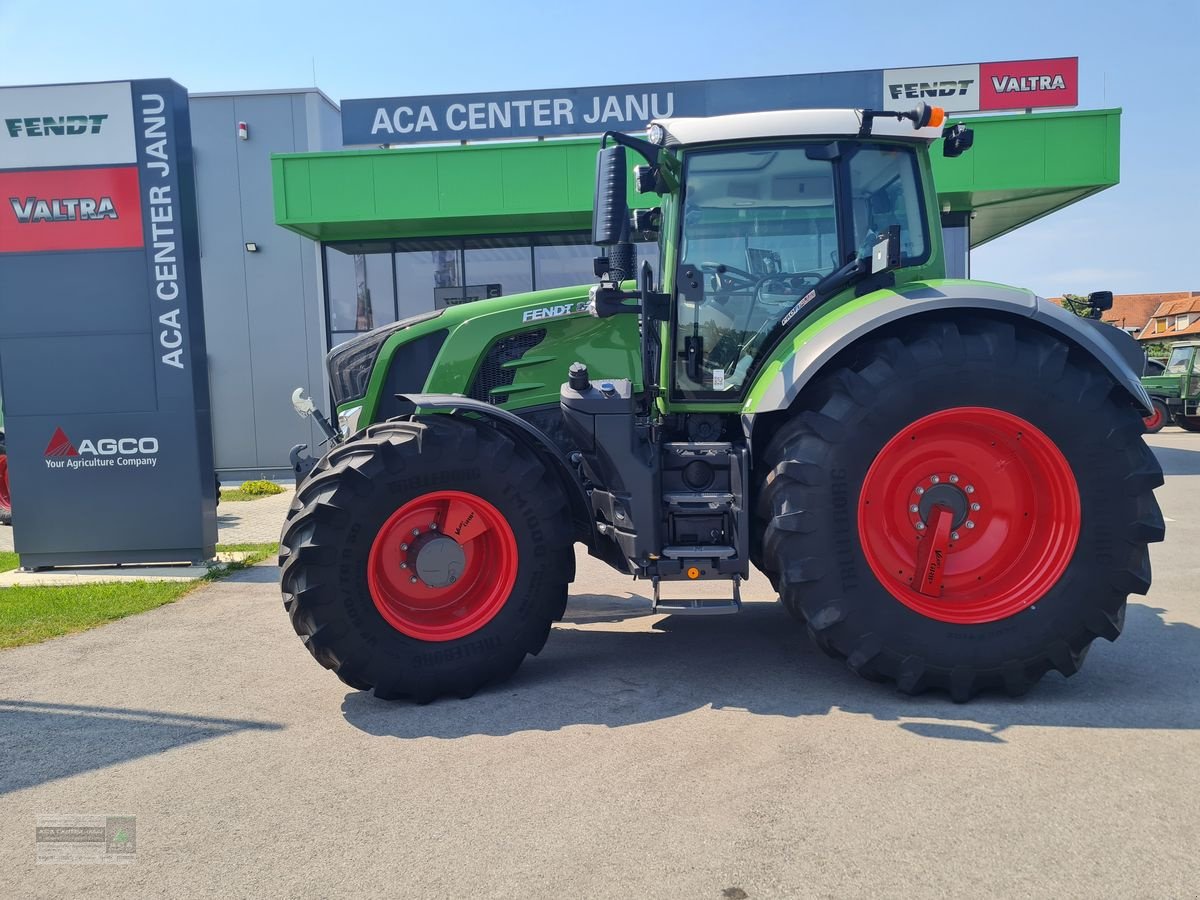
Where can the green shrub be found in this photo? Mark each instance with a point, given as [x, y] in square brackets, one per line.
[261, 488]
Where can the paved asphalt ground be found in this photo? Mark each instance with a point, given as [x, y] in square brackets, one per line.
[636, 757]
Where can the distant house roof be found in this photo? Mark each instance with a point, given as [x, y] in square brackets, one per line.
[1173, 305]
[1134, 311]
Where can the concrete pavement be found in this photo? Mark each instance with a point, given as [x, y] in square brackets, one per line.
[638, 756]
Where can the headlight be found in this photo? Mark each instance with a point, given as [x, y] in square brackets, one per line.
[348, 421]
[350, 364]
[656, 134]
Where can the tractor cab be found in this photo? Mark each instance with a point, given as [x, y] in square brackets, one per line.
[764, 218]
[1175, 390]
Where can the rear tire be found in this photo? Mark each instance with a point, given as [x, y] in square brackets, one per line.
[362, 614]
[1157, 419]
[1020, 620]
[5, 496]
[1188, 423]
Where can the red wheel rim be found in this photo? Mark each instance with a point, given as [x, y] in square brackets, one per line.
[1005, 498]
[5, 497]
[1154, 419]
[440, 601]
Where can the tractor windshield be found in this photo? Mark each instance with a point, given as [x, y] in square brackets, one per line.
[763, 226]
[1178, 363]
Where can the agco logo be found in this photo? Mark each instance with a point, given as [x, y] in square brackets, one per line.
[68, 209]
[47, 126]
[125, 452]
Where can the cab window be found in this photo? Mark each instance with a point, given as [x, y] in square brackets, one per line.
[761, 226]
[885, 191]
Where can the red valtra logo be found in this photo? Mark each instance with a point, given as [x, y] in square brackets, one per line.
[60, 445]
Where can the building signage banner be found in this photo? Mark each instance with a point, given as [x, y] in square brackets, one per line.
[102, 354]
[591, 110]
[629, 107]
[976, 87]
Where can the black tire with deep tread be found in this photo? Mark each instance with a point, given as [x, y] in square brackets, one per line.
[1188, 423]
[338, 511]
[807, 507]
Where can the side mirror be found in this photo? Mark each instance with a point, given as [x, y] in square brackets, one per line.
[610, 208]
[885, 255]
[956, 140]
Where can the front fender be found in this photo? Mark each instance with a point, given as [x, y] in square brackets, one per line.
[797, 361]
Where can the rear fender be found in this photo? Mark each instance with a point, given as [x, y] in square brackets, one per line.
[813, 347]
[523, 434]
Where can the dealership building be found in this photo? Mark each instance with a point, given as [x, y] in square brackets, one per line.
[320, 220]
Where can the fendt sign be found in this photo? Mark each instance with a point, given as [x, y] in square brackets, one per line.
[970, 87]
[102, 354]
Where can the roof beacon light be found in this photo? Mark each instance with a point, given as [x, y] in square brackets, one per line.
[922, 116]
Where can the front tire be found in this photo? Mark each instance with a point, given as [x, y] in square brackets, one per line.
[426, 558]
[882, 450]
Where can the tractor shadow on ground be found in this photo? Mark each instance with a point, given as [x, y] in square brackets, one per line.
[602, 666]
[1178, 461]
[41, 742]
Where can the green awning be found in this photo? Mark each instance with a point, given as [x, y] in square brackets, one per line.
[1021, 168]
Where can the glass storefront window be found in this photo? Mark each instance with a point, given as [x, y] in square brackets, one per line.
[563, 265]
[361, 295]
[496, 271]
[428, 279]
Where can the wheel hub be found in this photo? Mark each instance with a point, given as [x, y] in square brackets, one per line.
[439, 560]
[947, 495]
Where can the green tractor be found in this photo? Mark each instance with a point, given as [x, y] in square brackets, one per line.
[944, 480]
[1175, 391]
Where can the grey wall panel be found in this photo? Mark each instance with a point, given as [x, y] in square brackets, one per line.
[101, 293]
[222, 268]
[274, 289]
[264, 311]
[75, 374]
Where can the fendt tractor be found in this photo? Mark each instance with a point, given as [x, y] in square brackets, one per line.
[1175, 391]
[944, 480]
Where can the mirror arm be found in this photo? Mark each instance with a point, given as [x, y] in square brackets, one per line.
[643, 148]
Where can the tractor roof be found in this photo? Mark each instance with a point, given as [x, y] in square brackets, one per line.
[787, 123]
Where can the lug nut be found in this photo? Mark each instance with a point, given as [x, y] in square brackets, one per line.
[970, 524]
[920, 491]
[954, 479]
[433, 527]
[404, 565]
[970, 489]
[914, 508]
[413, 580]
[975, 507]
[416, 531]
[934, 480]
[404, 546]
[954, 535]
[920, 526]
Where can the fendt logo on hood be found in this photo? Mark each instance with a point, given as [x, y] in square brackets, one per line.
[66, 209]
[47, 126]
[62, 453]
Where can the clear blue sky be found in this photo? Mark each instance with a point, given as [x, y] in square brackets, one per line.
[1139, 236]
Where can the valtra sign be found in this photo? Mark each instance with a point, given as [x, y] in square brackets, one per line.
[978, 87]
